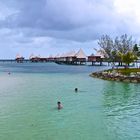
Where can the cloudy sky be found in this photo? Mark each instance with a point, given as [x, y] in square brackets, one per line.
[45, 27]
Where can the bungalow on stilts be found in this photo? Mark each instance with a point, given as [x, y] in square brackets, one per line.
[80, 57]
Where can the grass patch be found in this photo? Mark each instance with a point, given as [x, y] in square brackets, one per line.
[126, 71]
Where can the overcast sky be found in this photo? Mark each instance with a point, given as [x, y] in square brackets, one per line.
[45, 27]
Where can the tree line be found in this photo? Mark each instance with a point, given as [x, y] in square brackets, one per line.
[121, 49]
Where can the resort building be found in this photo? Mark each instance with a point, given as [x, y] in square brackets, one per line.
[98, 57]
[33, 58]
[50, 58]
[62, 58]
[19, 58]
[57, 57]
[81, 57]
[92, 58]
[71, 58]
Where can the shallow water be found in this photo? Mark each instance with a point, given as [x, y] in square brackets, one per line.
[101, 110]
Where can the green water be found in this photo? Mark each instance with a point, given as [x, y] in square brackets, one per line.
[101, 110]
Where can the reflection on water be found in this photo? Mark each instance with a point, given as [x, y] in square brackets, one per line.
[122, 110]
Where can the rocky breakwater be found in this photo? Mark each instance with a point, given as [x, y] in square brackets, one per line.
[115, 76]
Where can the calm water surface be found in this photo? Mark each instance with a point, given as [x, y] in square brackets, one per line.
[101, 110]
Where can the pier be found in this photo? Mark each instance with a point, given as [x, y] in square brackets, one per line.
[69, 58]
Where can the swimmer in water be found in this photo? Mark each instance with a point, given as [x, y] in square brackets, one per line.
[76, 89]
[59, 105]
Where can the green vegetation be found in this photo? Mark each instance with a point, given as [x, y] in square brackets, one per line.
[136, 50]
[129, 75]
[126, 71]
[128, 58]
[121, 49]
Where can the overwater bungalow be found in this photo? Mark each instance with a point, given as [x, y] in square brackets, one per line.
[50, 58]
[33, 58]
[65, 58]
[93, 59]
[43, 59]
[97, 58]
[19, 58]
[57, 58]
[68, 58]
[62, 58]
[80, 57]
[71, 57]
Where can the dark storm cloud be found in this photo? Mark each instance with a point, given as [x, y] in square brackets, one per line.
[29, 24]
[76, 20]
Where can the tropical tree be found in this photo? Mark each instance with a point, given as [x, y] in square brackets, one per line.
[106, 43]
[128, 58]
[124, 43]
[136, 50]
[113, 48]
[107, 46]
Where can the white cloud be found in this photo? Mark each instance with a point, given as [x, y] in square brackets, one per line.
[128, 8]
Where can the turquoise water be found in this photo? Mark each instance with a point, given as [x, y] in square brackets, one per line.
[101, 110]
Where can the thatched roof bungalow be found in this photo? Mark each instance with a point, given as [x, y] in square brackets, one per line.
[34, 58]
[50, 58]
[19, 58]
[71, 56]
[80, 56]
[98, 57]
[94, 58]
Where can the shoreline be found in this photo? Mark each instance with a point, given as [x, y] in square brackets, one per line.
[112, 75]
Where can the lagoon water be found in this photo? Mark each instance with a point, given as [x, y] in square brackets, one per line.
[101, 110]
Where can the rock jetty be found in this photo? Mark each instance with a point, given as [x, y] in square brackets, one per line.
[112, 75]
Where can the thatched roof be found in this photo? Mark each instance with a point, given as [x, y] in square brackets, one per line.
[18, 56]
[80, 54]
[99, 53]
[71, 54]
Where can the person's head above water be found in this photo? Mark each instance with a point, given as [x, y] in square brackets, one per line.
[76, 89]
[58, 102]
[59, 106]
